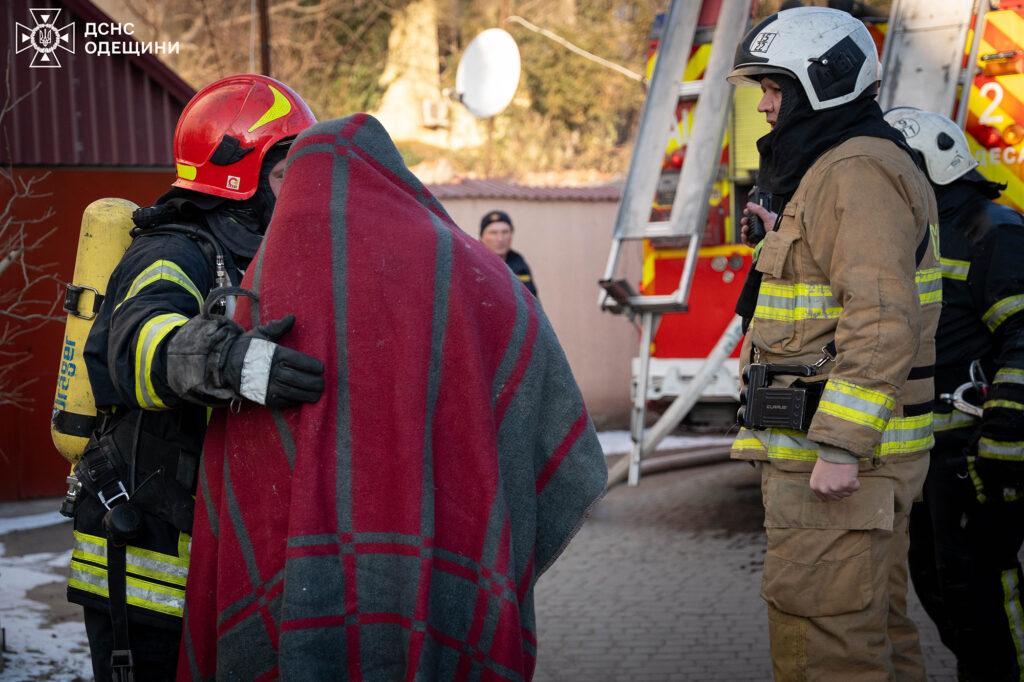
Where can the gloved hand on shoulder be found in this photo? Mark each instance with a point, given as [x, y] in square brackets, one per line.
[270, 374]
[212, 360]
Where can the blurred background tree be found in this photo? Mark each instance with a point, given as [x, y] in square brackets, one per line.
[569, 113]
[571, 121]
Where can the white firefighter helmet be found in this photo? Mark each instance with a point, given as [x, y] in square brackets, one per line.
[943, 145]
[828, 51]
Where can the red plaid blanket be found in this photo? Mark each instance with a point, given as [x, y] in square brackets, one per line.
[395, 529]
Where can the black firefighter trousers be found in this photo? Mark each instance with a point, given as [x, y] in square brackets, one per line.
[154, 649]
[964, 565]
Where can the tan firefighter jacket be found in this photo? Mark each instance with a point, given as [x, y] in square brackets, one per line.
[854, 260]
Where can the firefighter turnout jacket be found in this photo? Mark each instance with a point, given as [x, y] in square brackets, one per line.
[983, 275]
[965, 534]
[853, 260]
[151, 435]
[983, 319]
[517, 264]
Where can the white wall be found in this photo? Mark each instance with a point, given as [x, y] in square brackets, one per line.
[566, 244]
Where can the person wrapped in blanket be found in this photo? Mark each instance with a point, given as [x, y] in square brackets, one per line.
[396, 528]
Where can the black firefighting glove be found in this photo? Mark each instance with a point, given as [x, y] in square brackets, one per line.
[1000, 463]
[998, 480]
[1003, 418]
[211, 360]
[270, 374]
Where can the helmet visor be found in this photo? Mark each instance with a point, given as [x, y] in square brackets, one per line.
[751, 74]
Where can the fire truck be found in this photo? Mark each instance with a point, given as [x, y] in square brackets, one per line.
[994, 124]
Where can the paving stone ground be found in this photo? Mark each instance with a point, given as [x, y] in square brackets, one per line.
[662, 583]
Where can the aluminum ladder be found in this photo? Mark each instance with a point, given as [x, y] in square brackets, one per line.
[921, 34]
[690, 205]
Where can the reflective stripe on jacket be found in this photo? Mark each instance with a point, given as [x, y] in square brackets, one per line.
[159, 284]
[155, 581]
[855, 261]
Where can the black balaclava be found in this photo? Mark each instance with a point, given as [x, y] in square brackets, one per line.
[238, 225]
[799, 137]
[966, 192]
[802, 134]
[963, 203]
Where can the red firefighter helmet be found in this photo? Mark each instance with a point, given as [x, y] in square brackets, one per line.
[226, 129]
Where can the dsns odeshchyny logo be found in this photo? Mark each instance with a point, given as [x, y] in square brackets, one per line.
[45, 38]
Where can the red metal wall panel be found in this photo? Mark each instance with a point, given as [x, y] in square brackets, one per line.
[30, 464]
[95, 110]
[102, 126]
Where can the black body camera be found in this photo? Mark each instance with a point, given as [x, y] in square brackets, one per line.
[763, 406]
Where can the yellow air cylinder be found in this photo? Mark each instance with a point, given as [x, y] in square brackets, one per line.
[105, 236]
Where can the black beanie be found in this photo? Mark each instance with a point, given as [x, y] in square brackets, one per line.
[494, 217]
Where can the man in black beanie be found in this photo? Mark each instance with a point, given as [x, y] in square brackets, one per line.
[496, 235]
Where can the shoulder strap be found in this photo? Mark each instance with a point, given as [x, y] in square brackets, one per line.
[204, 240]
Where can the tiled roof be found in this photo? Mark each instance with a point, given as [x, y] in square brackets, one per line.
[499, 189]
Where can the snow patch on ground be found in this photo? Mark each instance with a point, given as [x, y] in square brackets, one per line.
[31, 521]
[37, 650]
[619, 443]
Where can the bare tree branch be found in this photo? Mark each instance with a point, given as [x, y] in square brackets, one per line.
[25, 305]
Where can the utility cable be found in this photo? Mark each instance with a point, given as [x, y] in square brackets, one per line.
[575, 48]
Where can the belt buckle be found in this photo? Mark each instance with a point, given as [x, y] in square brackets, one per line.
[122, 665]
[108, 502]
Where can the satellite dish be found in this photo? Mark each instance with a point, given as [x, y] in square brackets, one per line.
[488, 73]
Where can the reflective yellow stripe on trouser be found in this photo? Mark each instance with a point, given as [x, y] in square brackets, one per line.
[1014, 612]
[145, 567]
[902, 435]
[152, 333]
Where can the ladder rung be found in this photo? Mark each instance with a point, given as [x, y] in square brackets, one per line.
[660, 229]
[690, 88]
[666, 303]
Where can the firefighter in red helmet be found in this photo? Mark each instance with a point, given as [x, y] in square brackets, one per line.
[158, 359]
